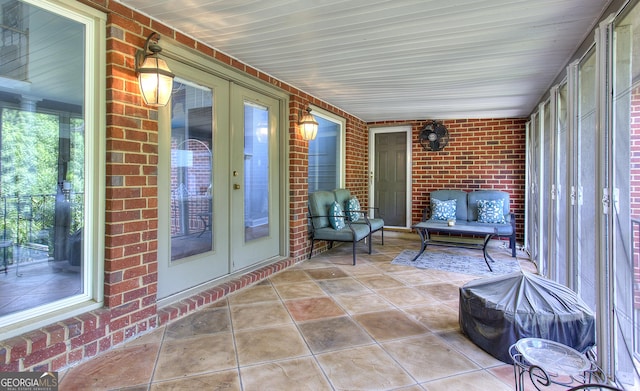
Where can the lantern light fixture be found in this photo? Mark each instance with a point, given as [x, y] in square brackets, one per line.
[154, 76]
[308, 126]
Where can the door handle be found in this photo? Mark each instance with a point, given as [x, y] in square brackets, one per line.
[236, 186]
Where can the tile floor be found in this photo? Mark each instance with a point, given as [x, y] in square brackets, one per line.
[321, 325]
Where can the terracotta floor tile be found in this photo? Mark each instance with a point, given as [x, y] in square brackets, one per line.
[361, 269]
[387, 325]
[118, 368]
[289, 276]
[326, 273]
[206, 321]
[441, 291]
[410, 277]
[225, 380]
[333, 334]
[254, 294]
[259, 315]
[196, 355]
[427, 358]
[152, 337]
[313, 308]
[405, 296]
[380, 281]
[300, 290]
[297, 374]
[387, 267]
[436, 316]
[341, 286]
[474, 381]
[462, 344]
[363, 368]
[269, 344]
[368, 302]
[505, 373]
[323, 324]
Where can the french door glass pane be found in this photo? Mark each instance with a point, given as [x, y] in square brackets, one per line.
[533, 234]
[586, 191]
[547, 156]
[561, 176]
[256, 171]
[42, 149]
[192, 191]
[625, 188]
[324, 156]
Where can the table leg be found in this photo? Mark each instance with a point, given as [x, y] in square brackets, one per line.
[487, 257]
[424, 237]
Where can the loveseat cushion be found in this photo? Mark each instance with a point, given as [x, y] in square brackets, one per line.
[503, 229]
[477, 195]
[443, 210]
[491, 211]
[458, 195]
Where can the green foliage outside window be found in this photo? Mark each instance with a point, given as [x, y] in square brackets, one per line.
[42, 165]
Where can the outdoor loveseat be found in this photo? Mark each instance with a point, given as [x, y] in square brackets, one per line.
[336, 216]
[475, 209]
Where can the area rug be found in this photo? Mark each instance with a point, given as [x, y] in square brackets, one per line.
[456, 263]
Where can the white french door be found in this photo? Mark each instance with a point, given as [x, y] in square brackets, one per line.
[218, 181]
[255, 210]
[193, 212]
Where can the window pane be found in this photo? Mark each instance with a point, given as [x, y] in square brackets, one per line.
[586, 197]
[191, 170]
[256, 171]
[625, 205]
[324, 156]
[42, 166]
[547, 175]
[562, 184]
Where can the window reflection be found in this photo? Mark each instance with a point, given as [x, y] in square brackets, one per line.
[191, 170]
[42, 151]
[256, 171]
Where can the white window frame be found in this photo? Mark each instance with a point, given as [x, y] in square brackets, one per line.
[341, 163]
[94, 23]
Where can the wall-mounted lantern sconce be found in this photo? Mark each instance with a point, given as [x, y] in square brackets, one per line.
[154, 76]
[308, 126]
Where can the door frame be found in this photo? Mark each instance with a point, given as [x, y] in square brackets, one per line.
[373, 131]
[176, 51]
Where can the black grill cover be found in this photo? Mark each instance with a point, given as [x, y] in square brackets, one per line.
[496, 312]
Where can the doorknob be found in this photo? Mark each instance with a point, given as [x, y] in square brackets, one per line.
[236, 186]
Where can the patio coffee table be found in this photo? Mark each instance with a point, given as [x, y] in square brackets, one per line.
[426, 228]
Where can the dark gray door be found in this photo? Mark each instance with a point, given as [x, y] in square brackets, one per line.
[390, 177]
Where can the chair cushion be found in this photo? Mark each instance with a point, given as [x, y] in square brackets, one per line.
[336, 216]
[443, 210]
[491, 211]
[352, 207]
[357, 233]
[319, 203]
[376, 224]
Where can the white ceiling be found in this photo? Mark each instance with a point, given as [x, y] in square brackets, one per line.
[397, 59]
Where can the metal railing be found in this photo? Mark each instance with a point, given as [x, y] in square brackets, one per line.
[40, 222]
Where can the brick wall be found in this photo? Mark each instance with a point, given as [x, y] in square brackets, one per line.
[482, 153]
